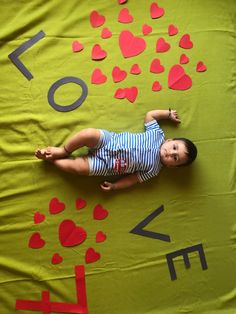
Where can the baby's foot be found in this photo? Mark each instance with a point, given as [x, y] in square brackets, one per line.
[50, 153]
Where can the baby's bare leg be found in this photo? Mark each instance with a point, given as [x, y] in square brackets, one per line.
[78, 165]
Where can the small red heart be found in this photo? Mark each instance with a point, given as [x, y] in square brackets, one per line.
[56, 259]
[120, 93]
[55, 206]
[172, 30]
[130, 45]
[178, 79]
[35, 241]
[38, 218]
[77, 46]
[122, 1]
[183, 59]
[156, 86]
[156, 11]
[156, 66]
[80, 203]
[146, 29]
[100, 237]
[162, 45]
[201, 67]
[118, 75]
[185, 42]
[125, 16]
[135, 69]
[70, 234]
[131, 93]
[91, 256]
[99, 213]
[98, 77]
[96, 19]
[98, 53]
[106, 33]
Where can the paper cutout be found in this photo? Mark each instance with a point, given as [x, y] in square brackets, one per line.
[128, 93]
[91, 256]
[185, 42]
[80, 203]
[139, 229]
[130, 45]
[162, 45]
[77, 46]
[156, 66]
[172, 30]
[146, 29]
[55, 206]
[120, 93]
[100, 237]
[125, 16]
[98, 53]
[14, 56]
[201, 67]
[38, 218]
[106, 33]
[57, 259]
[99, 213]
[98, 77]
[96, 20]
[156, 11]
[35, 241]
[48, 307]
[118, 75]
[178, 79]
[135, 69]
[122, 1]
[184, 59]
[156, 86]
[70, 234]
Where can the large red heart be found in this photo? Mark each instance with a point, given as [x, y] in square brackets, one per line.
[156, 11]
[57, 259]
[178, 79]
[35, 241]
[38, 218]
[131, 93]
[162, 45]
[99, 213]
[91, 256]
[156, 66]
[55, 206]
[96, 19]
[118, 75]
[98, 53]
[185, 42]
[70, 234]
[125, 16]
[130, 45]
[98, 77]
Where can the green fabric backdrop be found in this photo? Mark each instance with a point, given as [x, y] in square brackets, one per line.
[132, 276]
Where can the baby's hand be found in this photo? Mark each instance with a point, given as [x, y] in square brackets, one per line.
[174, 116]
[107, 186]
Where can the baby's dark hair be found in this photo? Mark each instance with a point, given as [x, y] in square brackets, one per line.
[191, 150]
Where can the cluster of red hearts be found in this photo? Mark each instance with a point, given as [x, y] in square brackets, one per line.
[131, 46]
[69, 233]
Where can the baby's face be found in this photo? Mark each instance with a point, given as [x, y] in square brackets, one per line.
[173, 153]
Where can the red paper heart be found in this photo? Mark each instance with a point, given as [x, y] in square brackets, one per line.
[100, 237]
[125, 16]
[178, 79]
[120, 93]
[156, 11]
[162, 45]
[99, 213]
[146, 29]
[201, 67]
[56, 259]
[156, 66]
[135, 69]
[118, 75]
[131, 93]
[80, 203]
[122, 1]
[156, 86]
[91, 256]
[77, 46]
[96, 19]
[55, 206]
[106, 33]
[98, 53]
[172, 30]
[35, 241]
[130, 45]
[38, 218]
[70, 234]
[185, 42]
[98, 77]
[183, 59]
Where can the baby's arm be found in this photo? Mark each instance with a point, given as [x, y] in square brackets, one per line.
[162, 114]
[122, 183]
